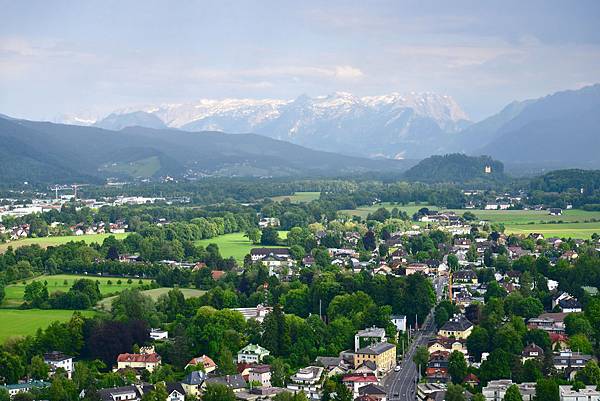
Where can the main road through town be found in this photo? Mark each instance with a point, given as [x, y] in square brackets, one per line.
[401, 385]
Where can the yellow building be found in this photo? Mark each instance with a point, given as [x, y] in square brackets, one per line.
[383, 354]
[458, 327]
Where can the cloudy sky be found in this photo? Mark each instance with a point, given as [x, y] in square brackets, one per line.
[96, 56]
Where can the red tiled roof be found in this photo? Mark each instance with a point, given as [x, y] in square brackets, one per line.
[366, 378]
[217, 274]
[145, 358]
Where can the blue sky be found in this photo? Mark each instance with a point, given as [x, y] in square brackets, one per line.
[96, 56]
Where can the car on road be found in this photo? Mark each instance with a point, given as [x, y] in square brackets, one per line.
[397, 368]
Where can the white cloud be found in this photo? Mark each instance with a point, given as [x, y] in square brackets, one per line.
[348, 72]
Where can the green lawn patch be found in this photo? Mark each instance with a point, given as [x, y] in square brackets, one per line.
[15, 292]
[298, 197]
[53, 241]
[234, 245]
[106, 303]
[17, 322]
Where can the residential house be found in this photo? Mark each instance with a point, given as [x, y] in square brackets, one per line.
[235, 382]
[128, 393]
[569, 362]
[192, 384]
[368, 336]
[437, 367]
[447, 344]
[465, 276]
[383, 354]
[400, 322]
[252, 353]
[354, 381]
[148, 361]
[496, 389]
[373, 391]
[257, 313]
[56, 360]
[458, 327]
[268, 222]
[532, 351]
[414, 268]
[259, 253]
[260, 374]
[159, 334]
[175, 392]
[588, 393]
[14, 389]
[566, 303]
[308, 380]
[206, 362]
[334, 365]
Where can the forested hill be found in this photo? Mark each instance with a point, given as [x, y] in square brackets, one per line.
[456, 167]
[42, 152]
[575, 180]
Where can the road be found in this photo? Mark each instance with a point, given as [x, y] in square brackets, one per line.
[401, 385]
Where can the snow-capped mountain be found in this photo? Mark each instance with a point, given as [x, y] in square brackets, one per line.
[394, 125]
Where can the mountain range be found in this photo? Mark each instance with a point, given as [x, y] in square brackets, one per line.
[391, 126]
[558, 130]
[42, 152]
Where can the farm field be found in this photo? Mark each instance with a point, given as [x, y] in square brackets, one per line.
[105, 304]
[50, 241]
[575, 223]
[298, 197]
[234, 245]
[566, 230]
[15, 292]
[531, 216]
[26, 322]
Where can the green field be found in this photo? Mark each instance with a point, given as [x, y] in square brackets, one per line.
[575, 223]
[18, 322]
[234, 245]
[566, 230]
[298, 197]
[106, 303]
[140, 168]
[49, 241]
[14, 292]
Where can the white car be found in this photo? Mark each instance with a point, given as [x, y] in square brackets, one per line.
[397, 368]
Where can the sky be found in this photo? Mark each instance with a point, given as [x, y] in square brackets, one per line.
[92, 57]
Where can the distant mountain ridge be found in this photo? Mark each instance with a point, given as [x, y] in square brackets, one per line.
[393, 125]
[45, 152]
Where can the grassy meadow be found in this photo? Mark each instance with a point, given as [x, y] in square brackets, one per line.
[234, 245]
[573, 223]
[15, 292]
[18, 322]
[105, 304]
[50, 241]
[298, 197]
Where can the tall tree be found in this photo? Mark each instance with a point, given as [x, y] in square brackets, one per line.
[512, 394]
[457, 367]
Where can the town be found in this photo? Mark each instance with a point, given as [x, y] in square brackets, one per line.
[406, 302]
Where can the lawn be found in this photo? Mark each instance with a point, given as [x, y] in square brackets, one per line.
[575, 223]
[298, 197]
[49, 241]
[106, 303]
[14, 292]
[566, 230]
[25, 322]
[234, 245]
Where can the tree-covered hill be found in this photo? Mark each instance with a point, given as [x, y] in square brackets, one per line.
[456, 167]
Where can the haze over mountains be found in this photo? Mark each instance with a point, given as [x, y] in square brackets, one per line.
[392, 126]
[559, 130]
